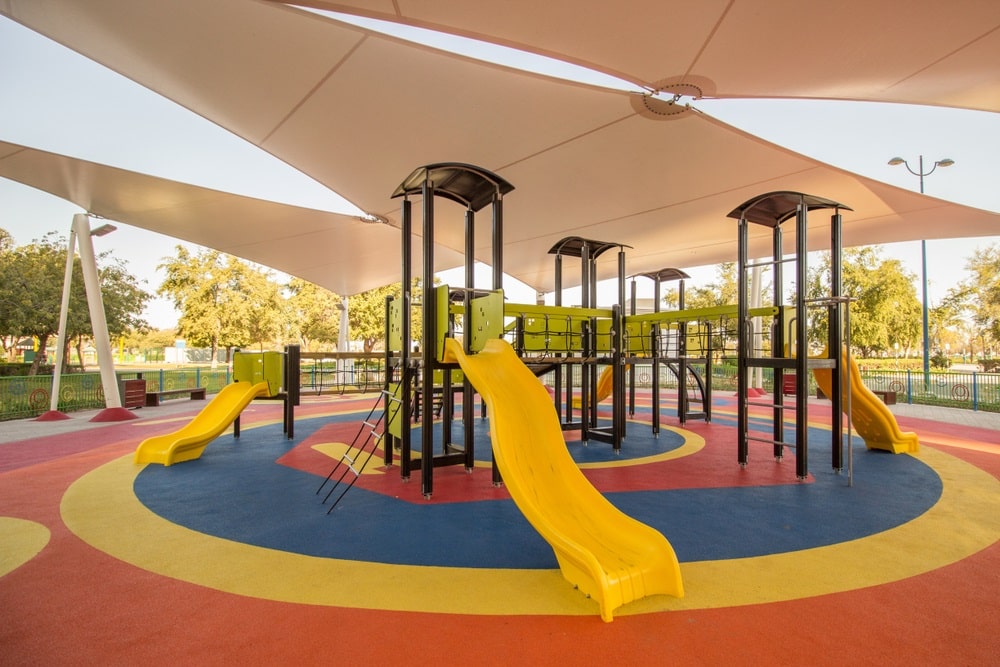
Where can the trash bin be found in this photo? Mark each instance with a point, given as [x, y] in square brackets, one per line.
[132, 393]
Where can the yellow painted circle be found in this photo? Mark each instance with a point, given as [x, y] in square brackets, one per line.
[102, 510]
[22, 540]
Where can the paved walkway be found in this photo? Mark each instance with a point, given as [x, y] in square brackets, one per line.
[26, 429]
[972, 418]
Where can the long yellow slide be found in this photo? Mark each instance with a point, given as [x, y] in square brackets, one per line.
[190, 441]
[873, 421]
[606, 554]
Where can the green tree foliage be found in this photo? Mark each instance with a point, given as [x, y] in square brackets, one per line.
[978, 297]
[885, 309]
[224, 302]
[315, 314]
[366, 313]
[671, 299]
[147, 339]
[723, 292]
[31, 286]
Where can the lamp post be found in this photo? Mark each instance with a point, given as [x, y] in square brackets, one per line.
[921, 174]
[81, 235]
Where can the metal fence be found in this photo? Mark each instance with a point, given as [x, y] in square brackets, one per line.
[971, 390]
[24, 397]
[341, 374]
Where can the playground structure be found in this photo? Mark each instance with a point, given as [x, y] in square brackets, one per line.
[260, 375]
[672, 351]
[786, 347]
[553, 339]
[560, 340]
[603, 552]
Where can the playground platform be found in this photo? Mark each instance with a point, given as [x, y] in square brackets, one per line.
[232, 557]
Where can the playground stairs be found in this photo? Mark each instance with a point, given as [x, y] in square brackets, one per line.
[359, 453]
[694, 400]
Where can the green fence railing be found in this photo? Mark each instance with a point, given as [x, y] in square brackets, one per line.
[971, 390]
[23, 397]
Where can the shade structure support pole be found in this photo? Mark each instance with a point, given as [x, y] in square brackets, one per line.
[57, 367]
[102, 340]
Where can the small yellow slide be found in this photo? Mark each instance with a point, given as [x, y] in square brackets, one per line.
[190, 441]
[873, 421]
[605, 384]
[608, 555]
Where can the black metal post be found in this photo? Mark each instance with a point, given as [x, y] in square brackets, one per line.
[427, 347]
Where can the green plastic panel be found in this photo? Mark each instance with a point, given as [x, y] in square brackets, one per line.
[638, 343]
[552, 334]
[441, 314]
[486, 320]
[396, 325]
[604, 342]
[394, 413]
[257, 367]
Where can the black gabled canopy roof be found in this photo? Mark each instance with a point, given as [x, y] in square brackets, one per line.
[466, 184]
[663, 275]
[773, 208]
[572, 246]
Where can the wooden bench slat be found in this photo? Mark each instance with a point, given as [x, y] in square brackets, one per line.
[153, 398]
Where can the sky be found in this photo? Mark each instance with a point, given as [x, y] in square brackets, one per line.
[55, 100]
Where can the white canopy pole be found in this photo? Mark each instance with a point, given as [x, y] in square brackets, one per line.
[102, 340]
[54, 413]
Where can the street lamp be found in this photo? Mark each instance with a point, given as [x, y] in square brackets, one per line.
[920, 173]
[80, 237]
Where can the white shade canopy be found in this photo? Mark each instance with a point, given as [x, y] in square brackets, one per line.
[359, 111]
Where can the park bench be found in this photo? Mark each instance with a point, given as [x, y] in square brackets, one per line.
[153, 398]
[888, 397]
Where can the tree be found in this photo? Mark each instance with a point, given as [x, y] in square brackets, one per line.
[884, 308]
[123, 300]
[979, 296]
[724, 292]
[223, 301]
[31, 291]
[366, 314]
[315, 313]
[8, 335]
[671, 299]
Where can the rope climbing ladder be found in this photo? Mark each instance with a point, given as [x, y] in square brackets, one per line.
[359, 453]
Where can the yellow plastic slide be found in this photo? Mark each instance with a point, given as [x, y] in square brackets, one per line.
[190, 441]
[605, 384]
[871, 418]
[608, 555]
